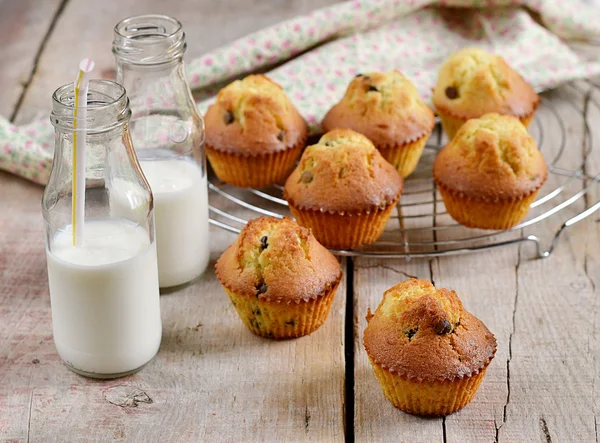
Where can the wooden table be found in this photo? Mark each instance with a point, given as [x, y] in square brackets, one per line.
[212, 379]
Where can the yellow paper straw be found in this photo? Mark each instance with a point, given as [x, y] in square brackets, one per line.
[86, 66]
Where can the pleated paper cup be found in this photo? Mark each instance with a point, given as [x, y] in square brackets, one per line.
[254, 171]
[344, 230]
[426, 397]
[486, 213]
[404, 157]
[281, 320]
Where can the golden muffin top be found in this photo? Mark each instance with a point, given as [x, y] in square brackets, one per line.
[254, 116]
[420, 332]
[385, 107]
[278, 260]
[492, 157]
[473, 82]
[343, 172]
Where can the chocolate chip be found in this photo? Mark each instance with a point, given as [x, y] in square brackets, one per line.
[228, 118]
[443, 327]
[411, 333]
[262, 288]
[306, 177]
[263, 242]
[281, 135]
[372, 88]
[358, 75]
[328, 144]
[451, 92]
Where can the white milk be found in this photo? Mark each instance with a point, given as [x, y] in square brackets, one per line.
[105, 298]
[181, 219]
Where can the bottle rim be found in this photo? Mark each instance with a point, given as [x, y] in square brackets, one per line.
[107, 107]
[149, 39]
[133, 20]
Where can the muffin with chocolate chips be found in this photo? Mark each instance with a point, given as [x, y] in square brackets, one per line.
[280, 280]
[344, 190]
[428, 353]
[473, 82]
[490, 173]
[387, 109]
[254, 134]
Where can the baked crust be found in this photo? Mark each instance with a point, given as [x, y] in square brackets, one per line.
[422, 333]
[385, 107]
[343, 172]
[253, 116]
[482, 83]
[293, 267]
[492, 158]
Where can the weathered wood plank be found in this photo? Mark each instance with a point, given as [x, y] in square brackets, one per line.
[550, 365]
[212, 379]
[25, 328]
[375, 418]
[211, 371]
[468, 275]
[592, 256]
[23, 25]
[486, 284]
[545, 297]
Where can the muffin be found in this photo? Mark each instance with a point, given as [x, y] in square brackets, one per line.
[490, 173]
[386, 108]
[254, 134]
[473, 82]
[344, 190]
[428, 353]
[280, 280]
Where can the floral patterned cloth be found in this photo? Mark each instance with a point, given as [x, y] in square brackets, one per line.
[413, 36]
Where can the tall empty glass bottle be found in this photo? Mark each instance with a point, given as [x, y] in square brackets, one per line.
[104, 280]
[168, 135]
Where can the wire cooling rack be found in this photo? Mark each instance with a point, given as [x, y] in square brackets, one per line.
[421, 227]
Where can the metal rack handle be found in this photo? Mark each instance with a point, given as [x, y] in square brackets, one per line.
[570, 222]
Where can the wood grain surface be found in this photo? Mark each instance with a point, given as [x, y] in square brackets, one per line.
[213, 380]
[23, 28]
[541, 386]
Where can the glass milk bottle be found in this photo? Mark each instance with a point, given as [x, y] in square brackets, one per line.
[104, 280]
[168, 134]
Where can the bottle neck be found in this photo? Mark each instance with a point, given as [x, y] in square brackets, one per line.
[161, 80]
[149, 56]
[104, 128]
